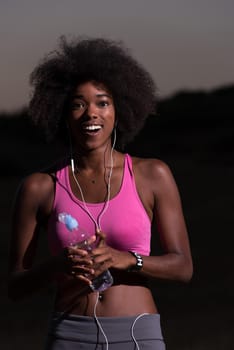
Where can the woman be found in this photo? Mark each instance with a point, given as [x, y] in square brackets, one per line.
[94, 96]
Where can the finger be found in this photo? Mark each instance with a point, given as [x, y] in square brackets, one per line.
[91, 241]
[73, 251]
[100, 234]
[83, 270]
[101, 237]
[72, 262]
[81, 258]
[102, 260]
[75, 263]
[84, 279]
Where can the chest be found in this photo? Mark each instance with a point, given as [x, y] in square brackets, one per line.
[99, 188]
[123, 217]
[95, 187]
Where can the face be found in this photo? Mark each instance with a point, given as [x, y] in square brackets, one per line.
[92, 115]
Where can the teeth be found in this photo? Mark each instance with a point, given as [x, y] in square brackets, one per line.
[92, 127]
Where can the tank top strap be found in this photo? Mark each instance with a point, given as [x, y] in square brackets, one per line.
[128, 164]
[61, 177]
[61, 182]
[128, 184]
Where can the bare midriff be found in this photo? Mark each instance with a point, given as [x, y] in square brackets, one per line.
[117, 301]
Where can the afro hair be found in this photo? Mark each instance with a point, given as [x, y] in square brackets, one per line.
[91, 59]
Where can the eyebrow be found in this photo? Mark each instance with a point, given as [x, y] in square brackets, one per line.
[97, 95]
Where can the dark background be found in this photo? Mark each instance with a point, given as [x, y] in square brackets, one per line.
[193, 133]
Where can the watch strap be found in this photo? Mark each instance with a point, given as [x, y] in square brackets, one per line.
[139, 262]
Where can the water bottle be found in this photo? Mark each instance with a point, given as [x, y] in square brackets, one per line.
[78, 237]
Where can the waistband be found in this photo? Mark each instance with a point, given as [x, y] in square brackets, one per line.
[85, 328]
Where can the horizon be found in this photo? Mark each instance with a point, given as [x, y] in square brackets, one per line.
[19, 110]
[184, 46]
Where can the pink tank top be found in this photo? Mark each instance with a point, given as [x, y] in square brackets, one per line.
[125, 222]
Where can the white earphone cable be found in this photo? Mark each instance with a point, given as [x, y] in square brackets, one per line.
[132, 332]
[98, 323]
[98, 227]
[105, 207]
[98, 221]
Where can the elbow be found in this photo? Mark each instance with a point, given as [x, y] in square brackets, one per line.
[186, 271]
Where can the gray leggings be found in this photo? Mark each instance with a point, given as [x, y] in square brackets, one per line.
[73, 332]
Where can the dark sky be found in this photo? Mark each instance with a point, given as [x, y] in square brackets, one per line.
[184, 44]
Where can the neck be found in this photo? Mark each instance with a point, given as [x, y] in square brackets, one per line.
[93, 160]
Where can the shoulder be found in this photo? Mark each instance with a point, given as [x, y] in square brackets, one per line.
[151, 167]
[37, 186]
[152, 174]
[43, 182]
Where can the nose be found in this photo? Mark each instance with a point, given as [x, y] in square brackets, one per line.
[91, 111]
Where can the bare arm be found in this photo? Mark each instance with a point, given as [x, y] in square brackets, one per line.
[33, 199]
[176, 262]
[32, 207]
[161, 199]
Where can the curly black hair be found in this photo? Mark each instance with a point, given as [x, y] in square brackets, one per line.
[91, 59]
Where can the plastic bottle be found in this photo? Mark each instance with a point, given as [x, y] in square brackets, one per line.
[79, 238]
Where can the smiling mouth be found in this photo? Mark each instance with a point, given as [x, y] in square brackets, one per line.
[91, 129]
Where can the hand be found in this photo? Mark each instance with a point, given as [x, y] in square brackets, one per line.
[105, 257]
[77, 261]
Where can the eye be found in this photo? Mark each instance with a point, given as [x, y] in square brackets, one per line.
[78, 105]
[103, 103]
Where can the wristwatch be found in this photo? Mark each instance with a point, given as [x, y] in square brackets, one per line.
[139, 262]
